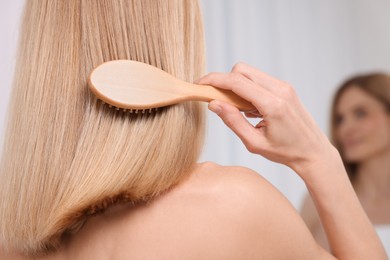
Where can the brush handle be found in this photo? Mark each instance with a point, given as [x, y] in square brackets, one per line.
[208, 93]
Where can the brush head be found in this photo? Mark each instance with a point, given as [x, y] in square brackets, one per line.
[132, 85]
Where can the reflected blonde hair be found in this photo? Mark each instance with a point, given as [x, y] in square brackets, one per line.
[65, 155]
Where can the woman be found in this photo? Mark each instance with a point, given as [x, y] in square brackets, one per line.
[82, 181]
[361, 132]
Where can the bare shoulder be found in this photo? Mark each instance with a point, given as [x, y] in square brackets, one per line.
[234, 187]
[228, 175]
[245, 188]
[240, 184]
[218, 212]
[266, 224]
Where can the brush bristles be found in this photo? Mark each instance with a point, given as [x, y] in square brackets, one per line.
[132, 111]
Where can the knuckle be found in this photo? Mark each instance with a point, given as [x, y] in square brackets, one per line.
[287, 91]
[251, 147]
[279, 107]
[236, 78]
[229, 121]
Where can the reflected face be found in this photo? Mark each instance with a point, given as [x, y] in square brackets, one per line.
[362, 125]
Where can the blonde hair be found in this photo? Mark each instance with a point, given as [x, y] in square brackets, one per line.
[67, 156]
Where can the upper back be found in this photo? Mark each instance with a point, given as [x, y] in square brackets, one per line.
[193, 220]
[216, 213]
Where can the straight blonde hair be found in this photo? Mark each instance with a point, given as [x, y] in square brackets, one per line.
[66, 156]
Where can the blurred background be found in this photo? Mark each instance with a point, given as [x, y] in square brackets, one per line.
[313, 45]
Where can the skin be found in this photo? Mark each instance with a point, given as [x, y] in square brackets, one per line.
[362, 126]
[365, 138]
[232, 212]
[216, 213]
[363, 129]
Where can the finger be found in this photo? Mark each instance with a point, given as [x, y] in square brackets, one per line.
[239, 84]
[253, 114]
[233, 118]
[257, 76]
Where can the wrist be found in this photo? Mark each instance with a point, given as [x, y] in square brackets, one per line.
[324, 165]
[327, 180]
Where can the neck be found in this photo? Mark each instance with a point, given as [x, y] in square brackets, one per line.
[373, 177]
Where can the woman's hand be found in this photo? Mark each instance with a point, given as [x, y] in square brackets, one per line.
[287, 134]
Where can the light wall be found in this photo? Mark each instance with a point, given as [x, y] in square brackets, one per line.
[10, 12]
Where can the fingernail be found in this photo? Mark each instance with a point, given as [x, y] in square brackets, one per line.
[215, 108]
[197, 81]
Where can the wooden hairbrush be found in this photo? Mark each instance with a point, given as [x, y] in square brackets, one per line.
[132, 86]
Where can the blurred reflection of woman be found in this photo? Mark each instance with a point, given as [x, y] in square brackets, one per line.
[360, 129]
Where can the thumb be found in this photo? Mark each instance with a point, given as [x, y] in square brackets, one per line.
[233, 118]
